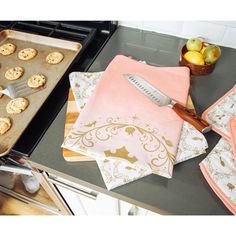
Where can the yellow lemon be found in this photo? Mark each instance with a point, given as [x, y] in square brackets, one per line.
[194, 57]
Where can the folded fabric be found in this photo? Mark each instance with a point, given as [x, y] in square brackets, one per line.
[232, 130]
[220, 172]
[219, 114]
[118, 122]
[116, 172]
[192, 144]
[219, 167]
[83, 85]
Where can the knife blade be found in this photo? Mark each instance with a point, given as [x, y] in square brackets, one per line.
[162, 99]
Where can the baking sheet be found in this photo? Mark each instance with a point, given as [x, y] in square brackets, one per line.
[43, 45]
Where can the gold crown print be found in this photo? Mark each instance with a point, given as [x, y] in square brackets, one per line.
[121, 153]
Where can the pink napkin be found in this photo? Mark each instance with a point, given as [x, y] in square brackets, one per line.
[219, 113]
[119, 122]
[219, 171]
[219, 167]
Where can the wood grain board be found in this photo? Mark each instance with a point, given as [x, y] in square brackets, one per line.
[71, 117]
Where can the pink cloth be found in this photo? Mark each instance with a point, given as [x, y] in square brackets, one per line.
[120, 122]
[227, 110]
[221, 172]
[228, 202]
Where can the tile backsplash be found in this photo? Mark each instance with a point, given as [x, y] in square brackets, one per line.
[219, 32]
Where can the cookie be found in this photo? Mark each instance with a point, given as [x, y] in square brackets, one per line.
[5, 125]
[16, 106]
[1, 94]
[14, 73]
[27, 54]
[36, 81]
[7, 49]
[54, 58]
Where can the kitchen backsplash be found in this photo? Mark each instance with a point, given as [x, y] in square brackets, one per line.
[218, 32]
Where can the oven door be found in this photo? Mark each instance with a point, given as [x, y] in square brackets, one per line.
[85, 201]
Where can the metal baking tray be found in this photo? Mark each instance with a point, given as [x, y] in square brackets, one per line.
[44, 45]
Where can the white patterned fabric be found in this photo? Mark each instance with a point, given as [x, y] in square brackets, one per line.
[192, 144]
[221, 113]
[219, 165]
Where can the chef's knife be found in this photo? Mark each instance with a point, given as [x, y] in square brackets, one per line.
[161, 99]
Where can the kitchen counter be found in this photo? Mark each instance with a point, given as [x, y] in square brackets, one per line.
[187, 192]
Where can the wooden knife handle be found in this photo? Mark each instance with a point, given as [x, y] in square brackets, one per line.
[192, 118]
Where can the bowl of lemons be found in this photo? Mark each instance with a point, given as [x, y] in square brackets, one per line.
[199, 56]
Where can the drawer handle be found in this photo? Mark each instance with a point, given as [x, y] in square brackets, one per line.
[91, 195]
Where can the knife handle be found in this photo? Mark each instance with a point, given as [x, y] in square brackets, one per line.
[192, 118]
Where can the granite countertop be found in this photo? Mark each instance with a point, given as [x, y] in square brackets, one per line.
[187, 192]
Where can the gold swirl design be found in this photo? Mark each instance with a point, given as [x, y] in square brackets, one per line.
[169, 161]
[86, 137]
[149, 139]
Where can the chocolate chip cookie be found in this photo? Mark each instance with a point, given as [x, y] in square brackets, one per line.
[27, 54]
[5, 125]
[14, 73]
[54, 58]
[17, 105]
[36, 81]
[7, 49]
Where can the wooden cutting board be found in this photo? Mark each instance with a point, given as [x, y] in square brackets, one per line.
[71, 117]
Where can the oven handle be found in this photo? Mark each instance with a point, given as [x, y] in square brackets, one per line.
[29, 200]
[92, 195]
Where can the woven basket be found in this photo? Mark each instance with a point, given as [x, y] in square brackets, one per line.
[195, 69]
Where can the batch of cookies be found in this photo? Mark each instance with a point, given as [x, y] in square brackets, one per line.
[18, 105]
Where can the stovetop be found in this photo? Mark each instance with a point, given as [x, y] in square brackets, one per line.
[92, 35]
